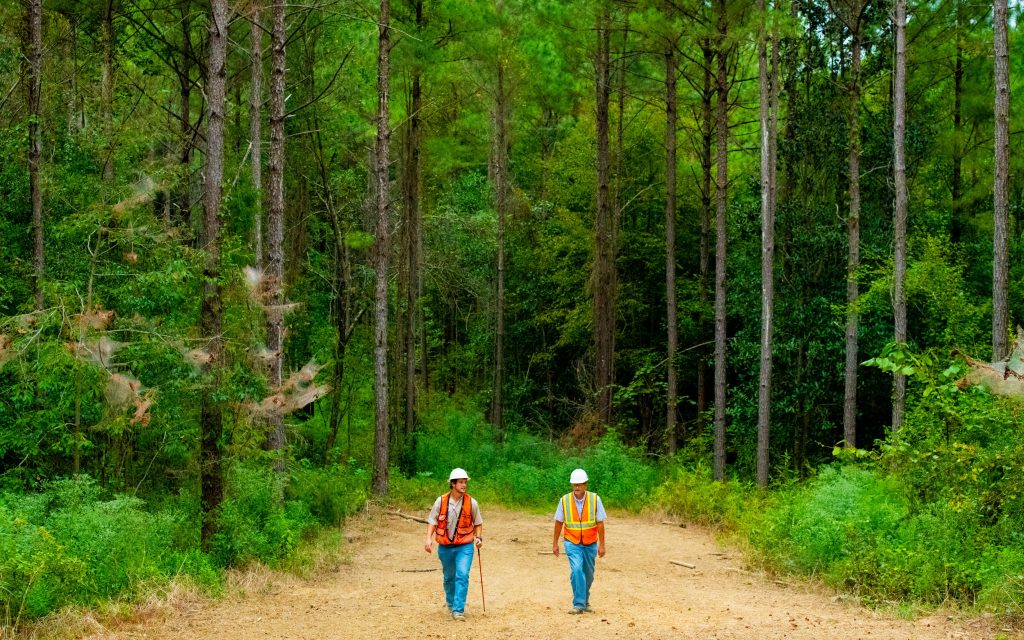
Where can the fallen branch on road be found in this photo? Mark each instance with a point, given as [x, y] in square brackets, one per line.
[399, 513]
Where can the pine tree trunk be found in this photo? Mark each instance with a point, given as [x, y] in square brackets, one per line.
[382, 251]
[107, 89]
[707, 142]
[34, 82]
[256, 127]
[501, 208]
[900, 215]
[671, 321]
[768, 84]
[604, 265]
[956, 226]
[721, 203]
[853, 259]
[414, 231]
[275, 223]
[187, 137]
[211, 419]
[1000, 191]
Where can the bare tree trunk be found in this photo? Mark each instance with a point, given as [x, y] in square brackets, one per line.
[185, 87]
[108, 89]
[382, 251]
[900, 215]
[671, 311]
[853, 260]
[275, 223]
[604, 258]
[256, 127]
[769, 85]
[619, 132]
[707, 141]
[211, 419]
[413, 245]
[1000, 192]
[501, 202]
[721, 197]
[956, 226]
[34, 82]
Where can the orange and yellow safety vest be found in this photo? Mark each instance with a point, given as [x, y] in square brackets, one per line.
[463, 533]
[580, 527]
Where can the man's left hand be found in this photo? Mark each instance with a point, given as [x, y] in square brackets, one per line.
[600, 550]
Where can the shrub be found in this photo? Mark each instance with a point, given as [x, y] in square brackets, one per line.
[255, 521]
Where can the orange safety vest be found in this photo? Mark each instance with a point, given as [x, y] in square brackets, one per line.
[463, 528]
[580, 527]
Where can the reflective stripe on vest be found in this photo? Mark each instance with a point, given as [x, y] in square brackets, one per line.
[463, 528]
[580, 528]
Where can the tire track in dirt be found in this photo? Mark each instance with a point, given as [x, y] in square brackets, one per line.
[391, 588]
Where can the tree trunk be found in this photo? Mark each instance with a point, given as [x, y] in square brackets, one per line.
[413, 245]
[1000, 192]
[34, 82]
[382, 251]
[107, 89]
[185, 88]
[707, 142]
[768, 84]
[211, 419]
[501, 208]
[604, 258]
[900, 214]
[721, 198]
[670, 245]
[256, 127]
[619, 132]
[853, 260]
[275, 223]
[956, 225]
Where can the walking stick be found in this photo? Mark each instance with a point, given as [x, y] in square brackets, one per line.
[480, 563]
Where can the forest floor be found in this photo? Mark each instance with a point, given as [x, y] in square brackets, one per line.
[388, 587]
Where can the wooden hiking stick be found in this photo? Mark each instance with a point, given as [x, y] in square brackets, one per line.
[480, 563]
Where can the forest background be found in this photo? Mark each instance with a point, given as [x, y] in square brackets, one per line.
[264, 262]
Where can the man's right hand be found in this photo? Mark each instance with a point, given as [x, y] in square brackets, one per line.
[428, 546]
[554, 549]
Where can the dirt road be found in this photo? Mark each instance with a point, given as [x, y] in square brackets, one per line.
[392, 589]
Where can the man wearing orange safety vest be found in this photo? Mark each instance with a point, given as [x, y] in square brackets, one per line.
[455, 523]
[580, 517]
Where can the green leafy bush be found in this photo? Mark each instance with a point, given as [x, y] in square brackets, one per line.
[255, 521]
[694, 495]
[70, 544]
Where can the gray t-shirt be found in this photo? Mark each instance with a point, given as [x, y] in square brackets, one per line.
[454, 511]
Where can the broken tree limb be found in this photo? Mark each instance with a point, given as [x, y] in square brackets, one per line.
[683, 564]
[417, 570]
[398, 513]
[674, 524]
[1003, 378]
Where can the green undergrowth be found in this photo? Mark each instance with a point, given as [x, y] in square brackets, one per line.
[520, 469]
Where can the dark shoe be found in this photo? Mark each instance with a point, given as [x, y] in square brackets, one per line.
[576, 611]
[458, 615]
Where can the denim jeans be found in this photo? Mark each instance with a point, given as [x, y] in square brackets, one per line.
[581, 571]
[456, 561]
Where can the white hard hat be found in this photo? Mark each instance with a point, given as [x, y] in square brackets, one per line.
[579, 476]
[458, 473]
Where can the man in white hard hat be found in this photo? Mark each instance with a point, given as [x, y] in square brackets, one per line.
[457, 527]
[580, 518]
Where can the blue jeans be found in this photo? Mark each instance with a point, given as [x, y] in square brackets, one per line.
[581, 571]
[456, 561]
